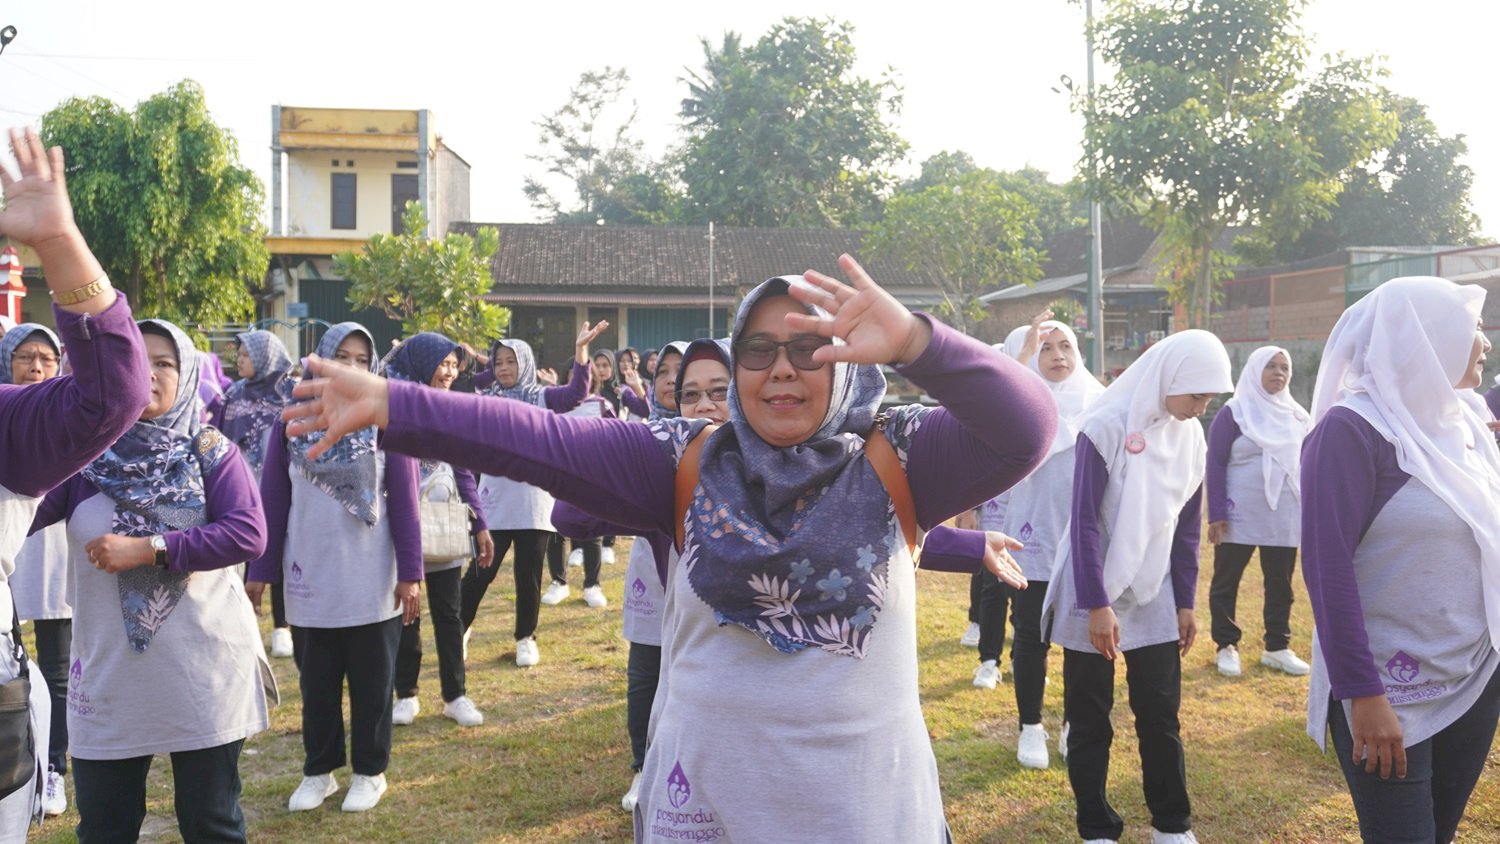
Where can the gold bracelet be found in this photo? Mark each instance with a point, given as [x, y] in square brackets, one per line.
[84, 293]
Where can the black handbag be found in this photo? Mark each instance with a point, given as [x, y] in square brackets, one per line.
[18, 765]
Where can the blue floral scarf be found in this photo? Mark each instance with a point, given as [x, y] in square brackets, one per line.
[347, 472]
[252, 405]
[154, 475]
[526, 388]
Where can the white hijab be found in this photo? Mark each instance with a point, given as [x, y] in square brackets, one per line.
[1276, 423]
[1013, 342]
[1393, 358]
[1075, 394]
[1155, 461]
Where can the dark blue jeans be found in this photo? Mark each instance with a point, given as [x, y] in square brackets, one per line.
[111, 796]
[1440, 775]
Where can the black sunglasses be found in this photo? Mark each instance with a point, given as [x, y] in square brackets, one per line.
[759, 353]
[686, 398]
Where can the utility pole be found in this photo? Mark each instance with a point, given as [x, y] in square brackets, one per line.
[710, 278]
[1096, 243]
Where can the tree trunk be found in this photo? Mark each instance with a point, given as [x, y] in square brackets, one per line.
[1205, 284]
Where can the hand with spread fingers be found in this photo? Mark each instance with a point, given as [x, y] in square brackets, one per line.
[338, 400]
[999, 562]
[874, 326]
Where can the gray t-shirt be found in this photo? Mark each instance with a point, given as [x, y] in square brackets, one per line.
[198, 684]
[1251, 519]
[1424, 616]
[1038, 513]
[337, 571]
[644, 598]
[42, 582]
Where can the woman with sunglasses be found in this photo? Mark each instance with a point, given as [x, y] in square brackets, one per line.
[788, 708]
[49, 431]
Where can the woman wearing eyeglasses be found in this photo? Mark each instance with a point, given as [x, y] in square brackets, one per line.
[788, 708]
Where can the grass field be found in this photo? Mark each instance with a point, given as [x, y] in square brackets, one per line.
[552, 758]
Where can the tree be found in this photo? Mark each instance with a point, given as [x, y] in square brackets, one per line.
[1207, 125]
[1414, 192]
[588, 144]
[783, 133]
[429, 285]
[163, 201]
[970, 232]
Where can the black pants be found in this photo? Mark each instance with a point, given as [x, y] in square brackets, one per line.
[1154, 676]
[278, 605]
[1028, 653]
[1440, 775]
[531, 549]
[642, 675]
[976, 594]
[1277, 565]
[111, 796]
[443, 595]
[366, 654]
[54, 641]
[993, 598]
[593, 550]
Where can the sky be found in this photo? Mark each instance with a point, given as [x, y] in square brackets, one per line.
[976, 77]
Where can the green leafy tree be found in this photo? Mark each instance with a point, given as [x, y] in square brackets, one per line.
[1058, 207]
[588, 145]
[1208, 124]
[972, 233]
[783, 133]
[429, 285]
[160, 194]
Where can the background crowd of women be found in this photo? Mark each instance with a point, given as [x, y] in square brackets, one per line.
[777, 506]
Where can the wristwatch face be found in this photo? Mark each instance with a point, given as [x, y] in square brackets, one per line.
[158, 543]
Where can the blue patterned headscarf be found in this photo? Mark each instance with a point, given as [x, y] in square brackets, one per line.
[155, 474]
[793, 543]
[676, 347]
[17, 336]
[346, 472]
[526, 388]
[252, 405]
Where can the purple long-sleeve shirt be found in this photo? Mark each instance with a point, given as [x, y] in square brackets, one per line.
[1349, 473]
[992, 430]
[1221, 436]
[53, 429]
[1090, 479]
[468, 490]
[634, 403]
[402, 482]
[235, 527]
[561, 398]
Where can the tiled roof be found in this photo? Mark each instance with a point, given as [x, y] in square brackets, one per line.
[615, 257]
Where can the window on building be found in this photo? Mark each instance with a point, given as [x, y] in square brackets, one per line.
[343, 196]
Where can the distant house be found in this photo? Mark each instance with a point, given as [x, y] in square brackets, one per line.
[653, 282]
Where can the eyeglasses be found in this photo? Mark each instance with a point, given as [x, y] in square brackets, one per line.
[28, 358]
[692, 397]
[759, 353]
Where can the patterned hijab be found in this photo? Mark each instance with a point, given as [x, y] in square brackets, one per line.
[14, 338]
[346, 472]
[676, 347]
[526, 388]
[252, 405]
[793, 543]
[154, 475]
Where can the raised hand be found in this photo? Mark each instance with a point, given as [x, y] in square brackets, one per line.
[586, 336]
[340, 400]
[37, 209]
[547, 376]
[874, 326]
[1033, 337]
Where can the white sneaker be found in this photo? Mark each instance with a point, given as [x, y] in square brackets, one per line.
[312, 792]
[633, 795]
[281, 642]
[463, 710]
[467, 634]
[986, 675]
[1102, 841]
[364, 793]
[594, 597]
[405, 711]
[555, 593]
[1159, 837]
[527, 653]
[1285, 660]
[607, 555]
[1031, 752]
[55, 799]
[1229, 661]
[1062, 741]
[970, 639]
[575, 557]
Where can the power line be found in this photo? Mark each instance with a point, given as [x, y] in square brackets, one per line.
[84, 57]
